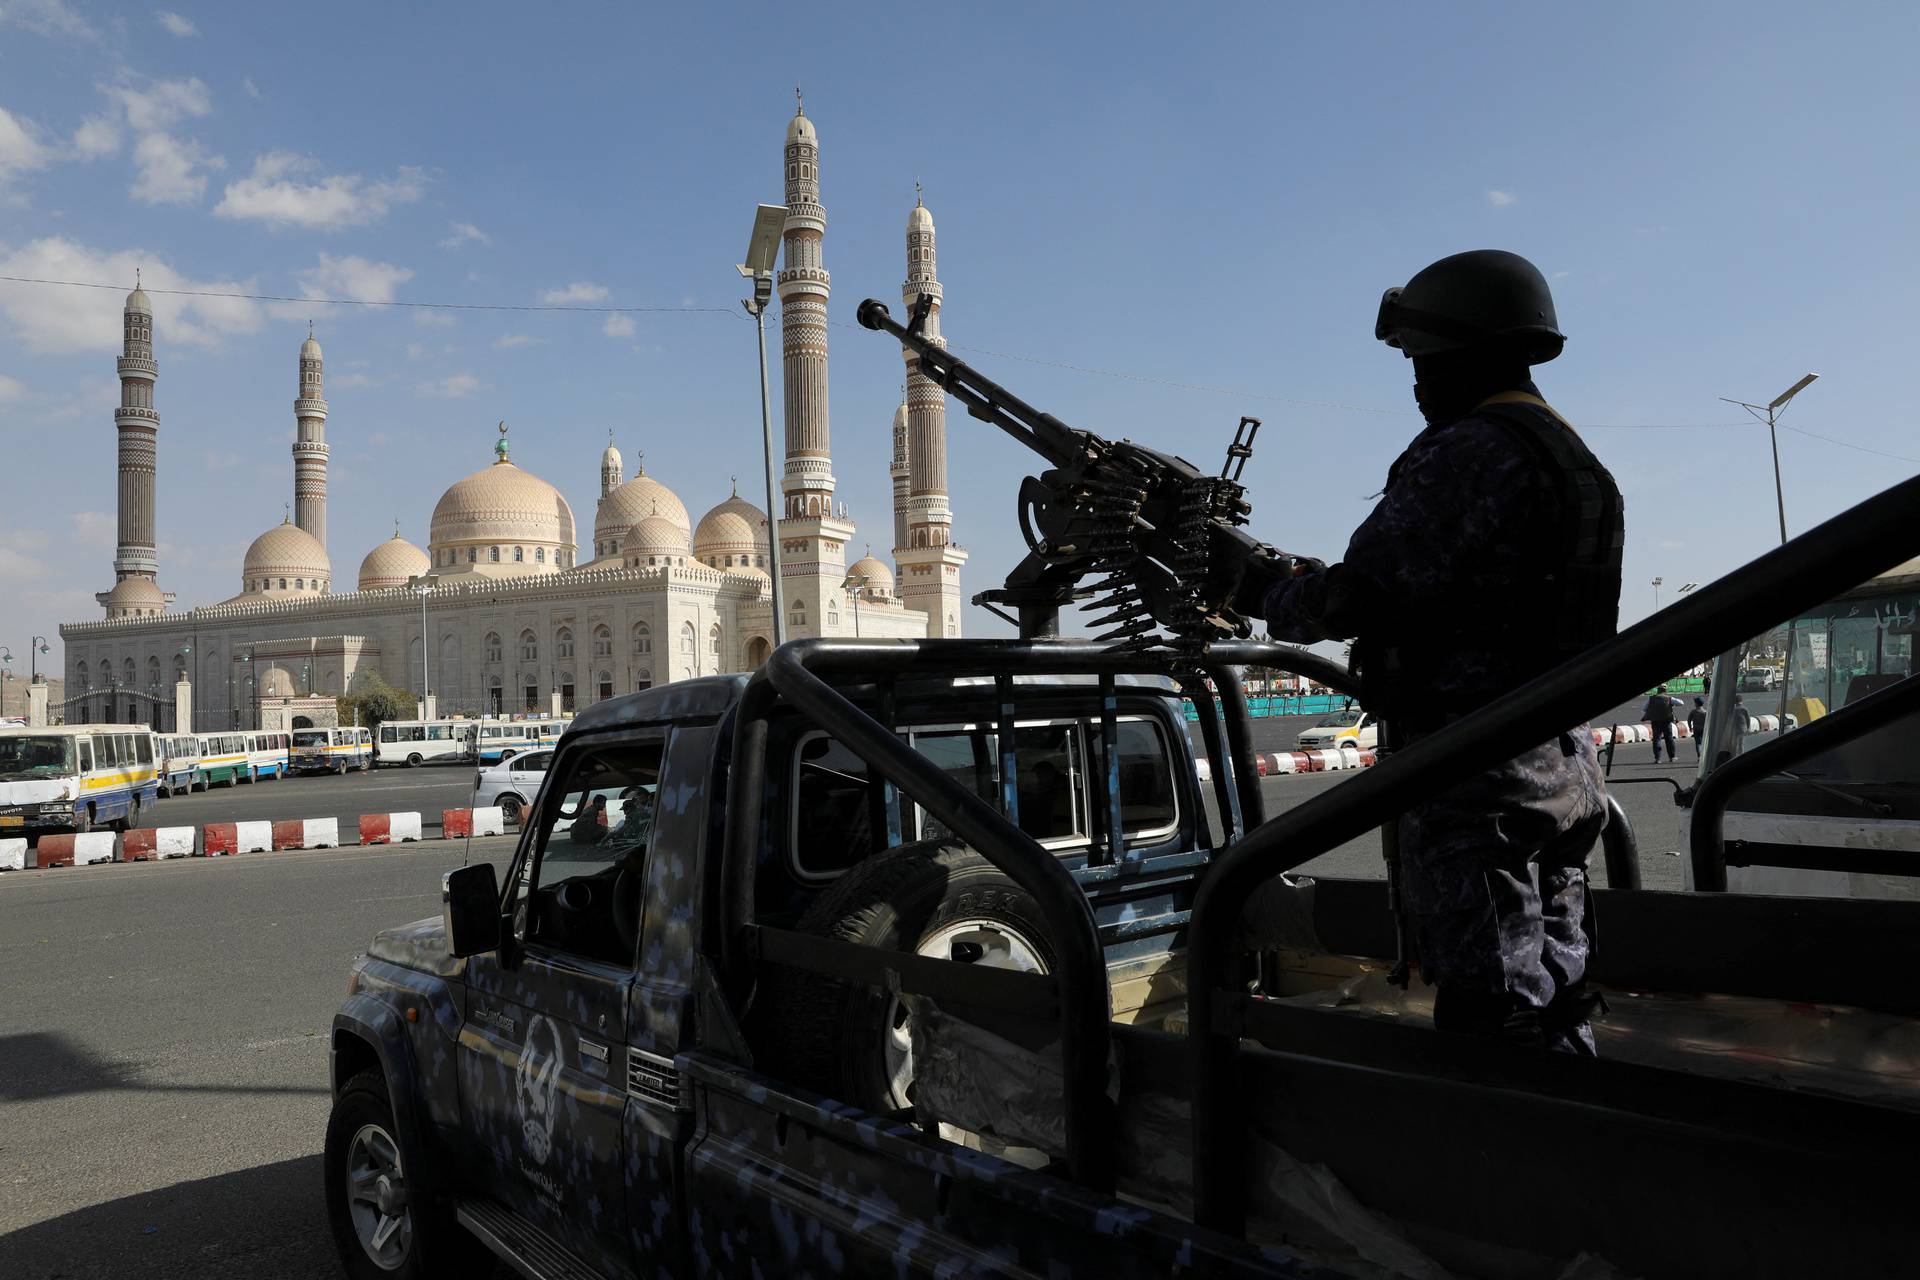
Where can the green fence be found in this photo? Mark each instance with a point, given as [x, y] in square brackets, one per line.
[1261, 708]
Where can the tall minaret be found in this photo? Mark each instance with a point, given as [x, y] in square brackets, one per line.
[929, 562]
[310, 444]
[610, 463]
[902, 473]
[138, 425]
[813, 541]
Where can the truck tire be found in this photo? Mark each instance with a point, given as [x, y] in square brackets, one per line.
[368, 1190]
[851, 1041]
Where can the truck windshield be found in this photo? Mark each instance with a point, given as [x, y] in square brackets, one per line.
[310, 738]
[35, 756]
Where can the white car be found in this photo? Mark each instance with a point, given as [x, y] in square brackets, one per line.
[1353, 727]
[513, 784]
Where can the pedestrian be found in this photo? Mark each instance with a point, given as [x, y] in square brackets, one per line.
[1697, 725]
[1498, 500]
[1742, 723]
[1658, 713]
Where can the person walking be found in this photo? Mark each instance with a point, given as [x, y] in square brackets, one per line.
[1498, 499]
[1658, 713]
[1697, 725]
[1742, 723]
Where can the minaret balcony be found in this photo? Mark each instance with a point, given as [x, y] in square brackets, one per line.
[310, 408]
[311, 448]
[134, 411]
[133, 366]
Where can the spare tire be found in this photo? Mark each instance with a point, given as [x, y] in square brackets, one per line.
[852, 1041]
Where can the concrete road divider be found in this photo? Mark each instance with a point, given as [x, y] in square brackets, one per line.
[13, 854]
[219, 838]
[486, 821]
[307, 833]
[74, 850]
[389, 828]
[150, 844]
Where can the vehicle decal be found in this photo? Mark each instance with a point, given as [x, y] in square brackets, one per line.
[537, 1084]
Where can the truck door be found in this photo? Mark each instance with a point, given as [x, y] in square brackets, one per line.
[543, 1071]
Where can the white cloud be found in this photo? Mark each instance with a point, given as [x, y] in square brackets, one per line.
[159, 104]
[379, 439]
[253, 90]
[350, 277]
[509, 341]
[457, 386]
[46, 18]
[95, 528]
[62, 321]
[618, 326]
[1500, 199]
[10, 388]
[351, 381]
[274, 194]
[434, 320]
[170, 169]
[93, 403]
[20, 149]
[580, 291]
[175, 24]
[463, 233]
[20, 566]
[97, 136]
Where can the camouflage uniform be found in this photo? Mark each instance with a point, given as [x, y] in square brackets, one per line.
[1441, 586]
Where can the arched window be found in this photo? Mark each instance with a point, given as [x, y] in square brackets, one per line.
[179, 667]
[686, 640]
[642, 640]
[493, 555]
[496, 696]
[602, 642]
[603, 685]
[833, 611]
[129, 681]
[643, 679]
[300, 584]
[566, 691]
[283, 584]
[529, 647]
[493, 646]
[953, 624]
[519, 554]
[473, 555]
[713, 645]
[563, 643]
[799, 612]
[80, 674]
[539, 555]
[153, 673]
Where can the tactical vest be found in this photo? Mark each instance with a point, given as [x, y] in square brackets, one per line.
[1566, 601]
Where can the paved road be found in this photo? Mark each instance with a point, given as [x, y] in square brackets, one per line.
[428, 790]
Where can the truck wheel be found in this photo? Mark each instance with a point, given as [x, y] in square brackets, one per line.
[83, 821]
[381, 1227]
[854, 1042]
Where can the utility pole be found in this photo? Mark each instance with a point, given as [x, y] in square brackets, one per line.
[1769, 413]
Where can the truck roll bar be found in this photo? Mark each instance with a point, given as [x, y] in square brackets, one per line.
[799, 672]
[1852, 547]
[1706, 842]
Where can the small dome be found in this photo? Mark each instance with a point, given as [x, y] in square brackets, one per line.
[901, 417]
[631, 503]
[391, 563]
[310, 349]
[735, 529]
[611, 456]
[134, 597]
[800, 129]
[919, 219]
[654, 536]
[137, 301]
[879, 577]
[286, 558]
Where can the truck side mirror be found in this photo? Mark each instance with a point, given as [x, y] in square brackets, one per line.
[470, 909]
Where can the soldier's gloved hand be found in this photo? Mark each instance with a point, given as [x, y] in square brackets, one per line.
[1304, 565]
[1248, 580]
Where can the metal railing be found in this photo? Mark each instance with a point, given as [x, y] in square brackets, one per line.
[1852, 547]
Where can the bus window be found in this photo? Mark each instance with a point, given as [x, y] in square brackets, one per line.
[145, 746]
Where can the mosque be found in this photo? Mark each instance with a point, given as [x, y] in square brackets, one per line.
[506, 611]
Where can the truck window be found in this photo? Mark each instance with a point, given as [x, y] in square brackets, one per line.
[595, 824]
[832, 815]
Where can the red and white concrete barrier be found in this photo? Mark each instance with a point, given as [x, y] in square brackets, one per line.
[150, 844]
[13, 854]
[488, 820]
[74, 850]
[389, 828]
[219, 838]
[307, 833]
[1276, 764]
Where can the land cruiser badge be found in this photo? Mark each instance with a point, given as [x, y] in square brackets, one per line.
[536, 1086]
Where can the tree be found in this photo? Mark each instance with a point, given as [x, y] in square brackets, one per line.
[373, 701]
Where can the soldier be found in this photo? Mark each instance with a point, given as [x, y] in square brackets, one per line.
[1492, 556]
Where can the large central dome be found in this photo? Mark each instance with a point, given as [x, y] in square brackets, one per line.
[501, 521]
[628, 505]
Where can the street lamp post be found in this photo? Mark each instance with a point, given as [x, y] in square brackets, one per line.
[853, 585]
[1656, 593]
[424, 585]
[36, 647]
[769, 220]
[1771, 410]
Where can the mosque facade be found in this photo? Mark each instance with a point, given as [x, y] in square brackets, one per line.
[510, 608]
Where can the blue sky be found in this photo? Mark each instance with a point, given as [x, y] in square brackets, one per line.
[1724, 196]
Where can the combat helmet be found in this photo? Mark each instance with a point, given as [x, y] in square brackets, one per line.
[1482, 298]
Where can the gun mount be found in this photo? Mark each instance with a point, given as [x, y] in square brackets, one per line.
[1138, 532]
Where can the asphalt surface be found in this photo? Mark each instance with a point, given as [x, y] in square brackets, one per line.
[163, 1027]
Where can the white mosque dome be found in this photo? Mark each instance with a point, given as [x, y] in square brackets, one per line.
[631, 503]
[654, 540]
[919, 219]
[137, 301]
[310, 349]
[391, 563]
[286, 560]
[800, 129]
[610, 457]
[732, 535]
[879, 577]
[135, 598]
[501, 521]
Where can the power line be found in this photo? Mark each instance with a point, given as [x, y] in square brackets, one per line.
[365, 302]
[1848, 444]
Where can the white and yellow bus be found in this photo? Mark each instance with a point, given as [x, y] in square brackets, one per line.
[268, 753]
[332, 750]
[176, 756]
[75, 777]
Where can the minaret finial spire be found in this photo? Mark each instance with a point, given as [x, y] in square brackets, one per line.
[799, 102]
[500, 445]
[918, 203]
[396, 526]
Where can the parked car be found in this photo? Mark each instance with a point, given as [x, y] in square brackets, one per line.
[1353, 727]
[512, 783]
